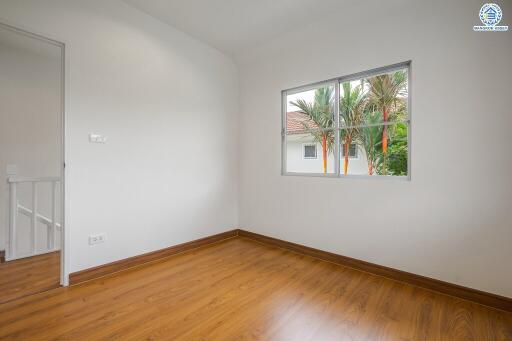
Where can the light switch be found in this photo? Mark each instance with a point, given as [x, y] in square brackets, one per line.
[97, 138]
[11, 170]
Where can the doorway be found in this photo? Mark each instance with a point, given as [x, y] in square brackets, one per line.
[31, 163]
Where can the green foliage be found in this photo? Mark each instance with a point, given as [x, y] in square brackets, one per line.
[370, 138]
[397, 151]
[352, 104]
[388, 91]
[365, 104]
[321, 113]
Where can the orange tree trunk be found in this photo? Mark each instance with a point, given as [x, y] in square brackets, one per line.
[346, 147]
[324, 151]
[385, 118]
[370, 169]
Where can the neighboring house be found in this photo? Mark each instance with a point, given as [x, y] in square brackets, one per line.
[304, 155]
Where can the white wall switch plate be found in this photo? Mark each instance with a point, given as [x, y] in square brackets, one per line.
[11, 170]
[97, 138]
[96, 239]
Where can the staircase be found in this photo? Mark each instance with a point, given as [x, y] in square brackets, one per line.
[15, 209]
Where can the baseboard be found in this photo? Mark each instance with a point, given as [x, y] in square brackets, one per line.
[2, 256]
[477, 296]
[123, 264]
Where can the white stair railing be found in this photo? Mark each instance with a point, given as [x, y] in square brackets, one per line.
[35, 217]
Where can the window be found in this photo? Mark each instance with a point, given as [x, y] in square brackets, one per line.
[309, 151]
[352, 151]
[360, 123]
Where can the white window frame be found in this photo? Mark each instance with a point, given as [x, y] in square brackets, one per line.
[304, 145]
[335, 83]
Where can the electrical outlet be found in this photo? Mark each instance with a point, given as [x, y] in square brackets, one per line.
[96, 239]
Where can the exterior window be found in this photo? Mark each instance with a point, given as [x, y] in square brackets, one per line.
[352, 151]
[360, 123]
[309, 151]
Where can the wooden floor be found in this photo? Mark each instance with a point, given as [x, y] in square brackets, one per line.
[241, 290]
[30, 275]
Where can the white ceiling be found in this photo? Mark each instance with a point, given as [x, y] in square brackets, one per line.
[234, 25]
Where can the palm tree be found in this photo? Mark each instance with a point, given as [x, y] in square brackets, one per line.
[386, 93]
[371, 139]
[321, 113]
[352, 104]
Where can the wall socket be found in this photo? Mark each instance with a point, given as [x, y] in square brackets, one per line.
[96, 239]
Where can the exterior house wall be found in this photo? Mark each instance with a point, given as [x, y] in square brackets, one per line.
[295, 161]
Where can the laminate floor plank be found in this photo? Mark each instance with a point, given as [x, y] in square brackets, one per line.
[27, 276]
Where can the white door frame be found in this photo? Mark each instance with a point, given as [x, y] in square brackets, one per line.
[64, 252]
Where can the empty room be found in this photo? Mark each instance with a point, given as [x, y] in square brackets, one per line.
[255, 170]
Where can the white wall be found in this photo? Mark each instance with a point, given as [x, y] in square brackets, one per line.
[30, 125]
[153, 90]
[448, 223]
[167, 103]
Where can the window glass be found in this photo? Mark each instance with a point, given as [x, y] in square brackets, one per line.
[309, 130]
[364, 131]
[352, 150]
[371, 160]
[310, 151]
